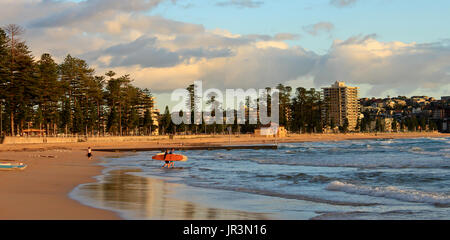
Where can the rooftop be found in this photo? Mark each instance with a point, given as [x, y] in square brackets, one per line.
[338, 84]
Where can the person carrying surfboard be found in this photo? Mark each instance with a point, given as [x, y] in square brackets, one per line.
[167, 163]
[171, 162]
[169, 157]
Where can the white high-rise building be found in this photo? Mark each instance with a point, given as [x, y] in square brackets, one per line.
[341, 103]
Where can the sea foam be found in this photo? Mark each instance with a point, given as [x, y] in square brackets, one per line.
[392, 192]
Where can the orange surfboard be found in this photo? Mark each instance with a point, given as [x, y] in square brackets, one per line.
[170, 157]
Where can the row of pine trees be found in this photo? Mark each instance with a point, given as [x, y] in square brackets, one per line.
[68, 98]
[65, 98]
[299, 113]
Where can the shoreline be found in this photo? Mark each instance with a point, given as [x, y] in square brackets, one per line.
[211, 140]
[54, 170]
[41, 191]
[152, 198]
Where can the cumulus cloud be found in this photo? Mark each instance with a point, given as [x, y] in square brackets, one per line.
[316, 29]
[145, 52]
[255, 67]
[342, 3]
[73, 13]
[241, 3]
[397, 66]
[163, 54]
[123, 23]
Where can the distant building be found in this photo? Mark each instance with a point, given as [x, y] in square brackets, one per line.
[155, 117]
[389, 103]
[34, 132]
[271, 130]
[438, 114]
[446, 125]
[400, 102]
[421, 100]
[416, 110]
[385, 125]
[341, 103]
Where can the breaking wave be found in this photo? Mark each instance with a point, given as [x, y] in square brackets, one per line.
[438, 199]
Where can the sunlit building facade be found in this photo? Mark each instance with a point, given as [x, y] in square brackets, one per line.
[341, 103]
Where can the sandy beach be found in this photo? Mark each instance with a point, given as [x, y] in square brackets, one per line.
[40, 191]
[54, 170]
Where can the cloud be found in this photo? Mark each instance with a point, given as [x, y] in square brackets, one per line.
[164, 54]
[342, 3]
[276, 37]
[73, 13]
[145, 52]
[398, 66]
[241, 3]
[316, 29]
[149, 24]
[286, 36]
[255, 67]
[361, 60]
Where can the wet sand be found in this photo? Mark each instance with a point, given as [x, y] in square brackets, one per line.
[150, 198]
[54, 170]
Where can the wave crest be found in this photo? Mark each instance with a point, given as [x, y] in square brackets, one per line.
[438, 199]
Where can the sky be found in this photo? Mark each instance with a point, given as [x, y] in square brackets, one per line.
[385, 47]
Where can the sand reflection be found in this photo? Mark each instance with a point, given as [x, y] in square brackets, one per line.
[148, 198]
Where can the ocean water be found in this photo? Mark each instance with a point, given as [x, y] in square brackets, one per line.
[360, 179]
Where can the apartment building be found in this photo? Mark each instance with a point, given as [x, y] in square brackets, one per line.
[341, 103]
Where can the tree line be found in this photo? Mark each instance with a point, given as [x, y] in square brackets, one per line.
[298, 113]
[68, 97]
[301, 111]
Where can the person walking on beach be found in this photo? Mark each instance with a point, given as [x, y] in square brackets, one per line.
[166, 163]
[171, 162]
[89, 153]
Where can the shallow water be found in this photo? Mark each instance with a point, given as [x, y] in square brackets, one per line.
[360, 179]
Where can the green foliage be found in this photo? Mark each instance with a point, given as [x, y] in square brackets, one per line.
[166, 125]
[66, 98]
[394, 125]
[4, 74]
[70, 98]
[306, 111]
[285, 104]
[345, 126]
[378, 125]
[49, 90]
[433, 126]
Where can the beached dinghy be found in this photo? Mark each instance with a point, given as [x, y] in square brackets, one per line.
[12, 166]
